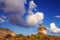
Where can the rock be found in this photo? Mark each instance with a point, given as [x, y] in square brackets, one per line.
[4, 32]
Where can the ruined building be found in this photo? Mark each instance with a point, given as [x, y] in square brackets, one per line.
[42, 29]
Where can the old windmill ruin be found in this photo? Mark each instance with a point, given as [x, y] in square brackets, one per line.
[42, 29]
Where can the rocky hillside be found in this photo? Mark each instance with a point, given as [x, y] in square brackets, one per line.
[6, 32]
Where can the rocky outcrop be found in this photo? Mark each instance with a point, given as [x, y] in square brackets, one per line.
[6, 32]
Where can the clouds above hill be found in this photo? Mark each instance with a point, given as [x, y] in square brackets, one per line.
[54, 28]
[16, 10]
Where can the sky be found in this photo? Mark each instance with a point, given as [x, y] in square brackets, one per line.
[24, 16]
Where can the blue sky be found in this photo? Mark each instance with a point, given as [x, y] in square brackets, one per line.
[50, 8]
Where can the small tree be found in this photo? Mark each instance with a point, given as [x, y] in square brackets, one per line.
[19, 35]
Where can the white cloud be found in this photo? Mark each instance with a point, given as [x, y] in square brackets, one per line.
[54, 28]
[16, 10]
[2, 20]
[32, 5]
[30, 12]
[35, 18]
[57, 16]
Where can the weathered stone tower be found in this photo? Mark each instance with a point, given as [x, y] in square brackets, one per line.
[42, 29]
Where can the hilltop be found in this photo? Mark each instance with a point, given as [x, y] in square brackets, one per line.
[5, 32]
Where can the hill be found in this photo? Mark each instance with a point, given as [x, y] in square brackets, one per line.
[5, 32]
[41, 35]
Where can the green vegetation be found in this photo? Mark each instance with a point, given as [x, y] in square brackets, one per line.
[19, 35]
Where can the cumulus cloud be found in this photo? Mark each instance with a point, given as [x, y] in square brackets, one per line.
[57, 16]
[32, 5]
[16, 10]
[35, 18]
[54, 28]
